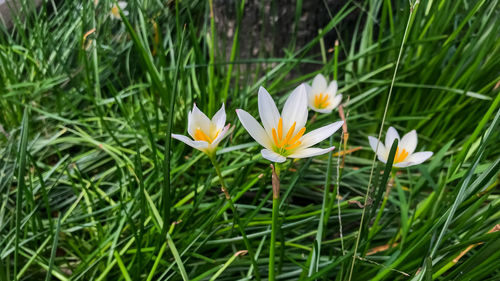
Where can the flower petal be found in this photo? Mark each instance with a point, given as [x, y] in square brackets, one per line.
[320, 134]
[195, 144]
[324, 110]
[319, 84]
[221, 136]
[332, 88]
[272, 156]
[295, 109]
[391, 135]
[381, 150]
[198, 120]
[403, 164]
[122, 4]
[419, 157]
[409, 142]
[269, 114]
[253, 128]
[219, 119]
[334, 103]
[310, 152]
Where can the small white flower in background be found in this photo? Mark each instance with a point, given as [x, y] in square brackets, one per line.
[115, 12]
[206, 133]
[323, 98]
[405, 155]
[283, 134]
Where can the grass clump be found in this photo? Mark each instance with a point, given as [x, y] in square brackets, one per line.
[93, 188]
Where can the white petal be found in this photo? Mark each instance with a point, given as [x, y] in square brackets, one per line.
[334, 103]
[199, 119]
[403, 164]
[221, 135]
[324, 110]
[418, 157]
[269, 114]
[310, 95]
[195, 144]
[122, 4]
[295, 110]
[272, 156]
[254, 128]
[409, 142]
[391, 135]
[319, 84]
[320, 134]
[310, 152]
[332, 88]
[219, 119]
[381, 150]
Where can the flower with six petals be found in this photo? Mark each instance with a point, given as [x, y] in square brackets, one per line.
[115, 12]
[323, 98]
[405, 155]
[283, 135]
[206, 133]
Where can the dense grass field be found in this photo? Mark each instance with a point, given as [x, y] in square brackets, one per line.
[93, 187]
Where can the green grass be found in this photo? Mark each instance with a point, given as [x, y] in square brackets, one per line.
[93, 188]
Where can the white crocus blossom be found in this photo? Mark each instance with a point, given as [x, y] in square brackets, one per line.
[206, 133]
[323, 98]
[282, 135]
[115, 12]
[405, 155]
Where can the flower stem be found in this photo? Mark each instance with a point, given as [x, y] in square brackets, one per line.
[275, 216]
[236, 218]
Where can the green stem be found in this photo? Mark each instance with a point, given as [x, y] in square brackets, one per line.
[275, 216]
[251, 252]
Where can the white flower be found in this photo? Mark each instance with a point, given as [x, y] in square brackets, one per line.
[115, 12]
[206, 133]
[404, 153]
[323, 98]
[283, 135]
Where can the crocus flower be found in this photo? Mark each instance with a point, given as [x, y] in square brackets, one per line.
[405, 155]
[115, 12]
[323, 98]
[206, 133]
[283, 134]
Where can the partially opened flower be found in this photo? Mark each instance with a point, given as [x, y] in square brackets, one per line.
[283, 134]
[206, 133]
[322, 97]
[405, 155]
[115, 12]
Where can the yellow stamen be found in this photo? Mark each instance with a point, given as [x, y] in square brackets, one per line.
[290, 132]
[199, 135]
[298, 135]
[289, 141]
[115, 11]
[400, 156]
[275, 138]
[321, 101]
[292, 146]
[280, 128]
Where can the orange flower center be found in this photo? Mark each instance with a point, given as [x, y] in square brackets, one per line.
[321, 101]
[199, 135]
[400, 156]
[115, 11]
[289, 141]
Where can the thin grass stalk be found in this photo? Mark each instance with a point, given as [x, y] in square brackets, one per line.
[21, 165]
[412, 9]
[251, 252]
